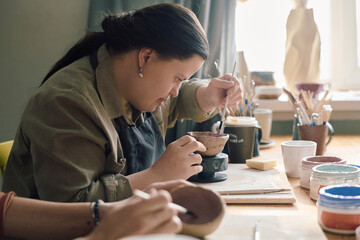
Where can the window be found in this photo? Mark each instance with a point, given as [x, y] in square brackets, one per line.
[358, 31]
[261, 34]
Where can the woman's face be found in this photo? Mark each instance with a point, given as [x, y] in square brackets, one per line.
[160, 80]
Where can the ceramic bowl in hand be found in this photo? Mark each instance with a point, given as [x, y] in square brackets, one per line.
[214, 142]
[207, 210]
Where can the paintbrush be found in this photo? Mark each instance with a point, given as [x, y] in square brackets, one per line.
[253, 191]
[180, 209]
[256, 231]
[218, 71]
[326, 111]
[320, 104]
[290, 97]
[303, 113]
[306, 99]
[222, 122]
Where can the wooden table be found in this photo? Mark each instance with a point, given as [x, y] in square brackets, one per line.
[343, 146]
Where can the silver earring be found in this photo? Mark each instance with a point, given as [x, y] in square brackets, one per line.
[141, 73]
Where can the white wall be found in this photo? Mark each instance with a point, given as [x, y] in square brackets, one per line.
[33, 36]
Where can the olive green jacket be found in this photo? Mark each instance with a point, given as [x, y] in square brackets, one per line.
[66, 147]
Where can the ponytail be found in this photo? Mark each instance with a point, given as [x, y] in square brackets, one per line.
[84, 47]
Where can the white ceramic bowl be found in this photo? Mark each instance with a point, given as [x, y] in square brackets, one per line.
[268, 92]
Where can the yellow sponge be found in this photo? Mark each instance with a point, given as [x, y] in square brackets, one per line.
[261, 164]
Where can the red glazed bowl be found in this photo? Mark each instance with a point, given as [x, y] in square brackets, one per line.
[315, 88]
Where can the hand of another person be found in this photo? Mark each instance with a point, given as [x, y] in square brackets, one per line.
[179, 160]
[137, 216]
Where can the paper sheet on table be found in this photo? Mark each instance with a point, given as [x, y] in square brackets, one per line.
[240, 177]
[294, 227]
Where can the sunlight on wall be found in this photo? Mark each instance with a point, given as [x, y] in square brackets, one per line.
[261, 34]
[358, 32]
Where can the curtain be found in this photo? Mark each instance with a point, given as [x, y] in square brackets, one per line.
[218, 20]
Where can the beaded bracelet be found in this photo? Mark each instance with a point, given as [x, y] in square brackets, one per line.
[95, 211]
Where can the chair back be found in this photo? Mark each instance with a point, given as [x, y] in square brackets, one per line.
[5, 148]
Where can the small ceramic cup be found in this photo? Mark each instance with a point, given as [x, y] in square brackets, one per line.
[214, 142]
[207, 207]
[293, 152]
[264, 118]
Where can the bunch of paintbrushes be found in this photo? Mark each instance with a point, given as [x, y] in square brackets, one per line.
[247, 105]
[310, 110]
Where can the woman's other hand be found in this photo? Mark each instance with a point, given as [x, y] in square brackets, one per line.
[179, 160]
[137, 216]
[214, 94]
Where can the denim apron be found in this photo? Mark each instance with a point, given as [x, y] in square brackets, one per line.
[142, 145]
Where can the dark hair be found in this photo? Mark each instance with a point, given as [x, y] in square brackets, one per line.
[172, 30]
